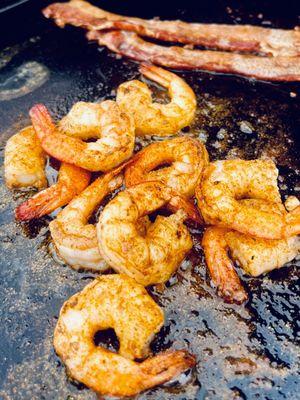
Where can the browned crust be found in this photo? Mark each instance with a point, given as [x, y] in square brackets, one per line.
[266, 68]
[220, 36]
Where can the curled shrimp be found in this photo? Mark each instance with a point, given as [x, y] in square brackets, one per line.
[24, 161]
[150, 255]
[118, 302]
[71, 181]
[185, 159]
[225, 183]
[255, 255]
[116, 132]
[75, 239]
[153, 118]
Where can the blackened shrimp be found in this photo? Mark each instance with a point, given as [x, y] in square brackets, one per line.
[157, 119]
[24, 161]
[185, 159]
[114, 145]
[75, 239]
[254, 255]
[150, 255]
[225, 183]
[118, 302]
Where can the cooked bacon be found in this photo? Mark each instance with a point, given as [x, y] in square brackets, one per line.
[242, 38]
[267, 68]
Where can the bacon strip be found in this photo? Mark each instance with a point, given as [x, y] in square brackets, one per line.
[266, 68]
[242, 38]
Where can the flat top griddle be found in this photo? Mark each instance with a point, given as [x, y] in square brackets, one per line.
[243, 352]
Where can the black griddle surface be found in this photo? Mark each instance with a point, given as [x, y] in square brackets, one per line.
[243, 352]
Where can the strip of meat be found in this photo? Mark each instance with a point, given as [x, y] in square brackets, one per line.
[220, 36]
[266, 68]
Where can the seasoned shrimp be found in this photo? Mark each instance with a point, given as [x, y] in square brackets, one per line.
[71, 181]
[118, 302]
[24, 161]
[187, 157]
[115, 144]
[152, 256]
[153, 118]
[225, 183]
[76, 239]
[255, 255]
[83, 121]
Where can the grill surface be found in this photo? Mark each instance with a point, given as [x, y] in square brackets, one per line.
[243, 352]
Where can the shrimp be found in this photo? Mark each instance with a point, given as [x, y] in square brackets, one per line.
[118, 302]
[24, 161]
[71, 181]
[116, 142]
[220, 267]
[153, 118]
[82, 121]
[75, 239]
[225, 183]
[187, 157]
[255, 255]
[151, 257]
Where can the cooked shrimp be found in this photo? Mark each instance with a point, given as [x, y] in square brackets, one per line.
[187, 157]
[225, 183]
[220, 266]
[118, 302]
[84, 121]
[76, 239]
[255, 255]
[71, 181]
[115, 144]
[153, 118]
[151, 257]
[24, 161]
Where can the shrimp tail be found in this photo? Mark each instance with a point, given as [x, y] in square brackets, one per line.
[71, 181]
[221, 268]
[155, 74]
[43, 203]
[41, 120]
[166, 366]
[192, 214]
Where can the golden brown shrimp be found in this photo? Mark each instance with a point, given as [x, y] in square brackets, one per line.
[118, 302]
[24, 161]
[225, 183]
[187, 157]
[152, 256]
[115, 144]
[76, 239]
[71, 181]
[153, 118]
[82, 121]
[255, 255]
